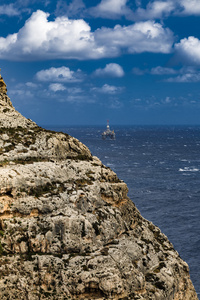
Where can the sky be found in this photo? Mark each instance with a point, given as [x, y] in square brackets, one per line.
[81, 62]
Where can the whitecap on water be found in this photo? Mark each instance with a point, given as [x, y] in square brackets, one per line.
[187, 169]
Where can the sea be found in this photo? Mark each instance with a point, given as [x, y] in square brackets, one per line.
[161, 167]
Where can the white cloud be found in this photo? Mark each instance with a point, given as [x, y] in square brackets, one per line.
[186, 74]
[31, 85]
[43, 39]
[9, 10]
[188, 50]
[162, 71]
[159, 9]
[108, 89]
[146, 36]
[155, 10]
[112, 69]
[62, 74]
[115, 9]
[40, 39]
[188, 77]
[76, 7]
[77, 99]
[190, 7]
[155, 71]
[56, 87]
[111, 9]
[21, 92]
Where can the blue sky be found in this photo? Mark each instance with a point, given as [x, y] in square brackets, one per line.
[76, 63]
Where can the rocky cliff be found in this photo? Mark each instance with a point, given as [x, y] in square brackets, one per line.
[68, 229]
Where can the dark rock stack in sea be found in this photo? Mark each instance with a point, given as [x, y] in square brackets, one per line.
[68, 229]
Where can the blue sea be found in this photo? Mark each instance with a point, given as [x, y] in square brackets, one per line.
[161, 166]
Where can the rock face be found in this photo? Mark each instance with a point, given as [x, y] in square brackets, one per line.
[68, 229]
[3, 88]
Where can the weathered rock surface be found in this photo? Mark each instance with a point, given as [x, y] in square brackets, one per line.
[68, 229]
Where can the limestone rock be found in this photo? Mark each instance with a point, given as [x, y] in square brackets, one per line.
[9, 117]
[3, 88]
[68, 229]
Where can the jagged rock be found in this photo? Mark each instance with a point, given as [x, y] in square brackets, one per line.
[9, 117]
[3, 88]
[68, 229]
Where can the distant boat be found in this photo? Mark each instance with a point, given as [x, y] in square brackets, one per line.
[108, 133]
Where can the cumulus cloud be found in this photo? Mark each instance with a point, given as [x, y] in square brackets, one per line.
[43, 39]
[115, 9]
[56, 87]
[155, 10]
[108, 89]
[140, 37]
[188, 50]
[73, 39]
[62, 74]
[110, 9]
[112, 69]
[159, 9]
[190, 7]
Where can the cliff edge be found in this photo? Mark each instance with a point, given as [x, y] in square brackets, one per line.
[68, 229]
